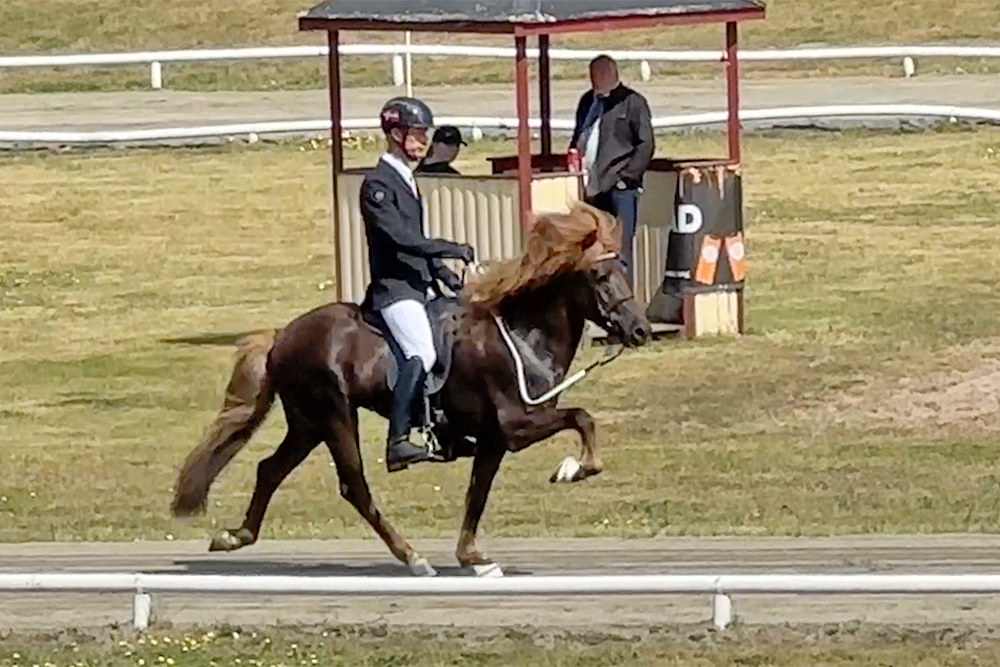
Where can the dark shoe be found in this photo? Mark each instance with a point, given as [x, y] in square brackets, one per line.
[402, 453]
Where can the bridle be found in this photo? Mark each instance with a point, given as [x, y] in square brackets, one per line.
[607, 310]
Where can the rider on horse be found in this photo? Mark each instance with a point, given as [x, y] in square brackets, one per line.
[404, 265]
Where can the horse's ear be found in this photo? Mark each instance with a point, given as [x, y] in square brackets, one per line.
[589, 240]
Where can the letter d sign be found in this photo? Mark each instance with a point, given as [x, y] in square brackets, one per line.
[689, 219]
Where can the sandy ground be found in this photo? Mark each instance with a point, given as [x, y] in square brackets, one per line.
[84, 112]
[899, 554]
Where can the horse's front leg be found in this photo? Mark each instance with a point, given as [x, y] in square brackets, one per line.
[590, 452]
[535, 426]
[487, 460]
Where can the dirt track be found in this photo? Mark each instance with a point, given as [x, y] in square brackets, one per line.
[82, 112]
[910, 554]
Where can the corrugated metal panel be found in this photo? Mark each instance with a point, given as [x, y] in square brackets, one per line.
[351, 239]
[483, 213]
[554, 194]
[656, 218]
[478, 211]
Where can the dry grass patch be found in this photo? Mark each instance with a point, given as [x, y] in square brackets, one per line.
[831, 645]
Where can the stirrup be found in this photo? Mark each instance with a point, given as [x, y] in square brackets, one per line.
[432, 444]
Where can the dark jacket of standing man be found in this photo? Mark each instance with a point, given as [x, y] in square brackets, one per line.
[614, 134]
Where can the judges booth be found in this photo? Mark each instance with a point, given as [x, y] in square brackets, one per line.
[688, 248]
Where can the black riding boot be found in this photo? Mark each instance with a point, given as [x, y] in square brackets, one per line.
[400, 452]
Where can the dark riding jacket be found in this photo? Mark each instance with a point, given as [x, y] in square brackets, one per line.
[403, 262]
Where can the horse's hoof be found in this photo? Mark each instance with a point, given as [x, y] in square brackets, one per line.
[568, 471]
[227, 541]
[421, 568]
[488, 570]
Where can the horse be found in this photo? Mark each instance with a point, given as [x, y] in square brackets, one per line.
[327, 363]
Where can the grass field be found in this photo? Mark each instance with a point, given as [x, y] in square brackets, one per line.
[43, 26]
[385, 647]
[864, 398]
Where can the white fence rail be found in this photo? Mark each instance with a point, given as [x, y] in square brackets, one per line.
[155, 59]
[254, 130]
[720, 587]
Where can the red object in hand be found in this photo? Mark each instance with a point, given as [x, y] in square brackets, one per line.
[573, 162]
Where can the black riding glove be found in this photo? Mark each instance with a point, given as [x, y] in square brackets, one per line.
[450, 280]
[468, 254]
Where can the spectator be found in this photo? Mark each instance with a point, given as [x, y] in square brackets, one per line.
[614, 134]
[443, 151]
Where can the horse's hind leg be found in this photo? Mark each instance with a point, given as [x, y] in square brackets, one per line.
[271, 472]
[342, 440]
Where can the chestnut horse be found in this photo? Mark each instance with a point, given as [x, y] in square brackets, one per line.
[327, 363]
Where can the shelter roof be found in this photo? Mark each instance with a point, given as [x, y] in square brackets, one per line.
[525, 16]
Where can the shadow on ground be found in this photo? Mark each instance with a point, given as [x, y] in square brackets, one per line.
[285, 568]
[220, 339]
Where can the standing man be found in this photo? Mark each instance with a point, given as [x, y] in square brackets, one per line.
[443, 151]
[404, 265]
[614, 134]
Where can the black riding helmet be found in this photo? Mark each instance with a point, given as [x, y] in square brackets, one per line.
[406, 113]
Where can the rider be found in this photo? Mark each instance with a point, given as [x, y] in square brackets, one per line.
[404, 264]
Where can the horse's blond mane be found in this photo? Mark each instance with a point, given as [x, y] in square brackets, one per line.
[557, 243]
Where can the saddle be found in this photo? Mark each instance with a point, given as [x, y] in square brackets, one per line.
[443, 313]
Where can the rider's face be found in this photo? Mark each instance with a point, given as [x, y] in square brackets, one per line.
[413, 142]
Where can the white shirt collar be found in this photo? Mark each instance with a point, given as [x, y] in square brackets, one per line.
[403, 169]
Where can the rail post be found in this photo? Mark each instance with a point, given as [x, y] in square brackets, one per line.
[722, 611]
[156, 75]
[142, 605]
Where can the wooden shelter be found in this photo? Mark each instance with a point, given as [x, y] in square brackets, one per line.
[491, 211]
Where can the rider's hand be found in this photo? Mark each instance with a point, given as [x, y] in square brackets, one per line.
[452, 281]
[468, 253]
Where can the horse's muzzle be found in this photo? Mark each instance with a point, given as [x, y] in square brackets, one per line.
[640, 336]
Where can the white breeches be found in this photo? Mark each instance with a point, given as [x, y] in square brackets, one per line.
[407, 321]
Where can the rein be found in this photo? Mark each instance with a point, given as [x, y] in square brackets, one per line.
[522, 384]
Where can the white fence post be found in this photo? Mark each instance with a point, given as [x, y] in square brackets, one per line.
[722, 611]
[909, 67]
[409, 67]
[142, 605]
[156, 75]
[645, 70]
[398, 76]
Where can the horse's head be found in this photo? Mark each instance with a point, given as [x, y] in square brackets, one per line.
[578, 250]
[612, 305]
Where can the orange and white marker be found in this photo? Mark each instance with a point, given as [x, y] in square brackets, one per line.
[708, 260]
[737, 256]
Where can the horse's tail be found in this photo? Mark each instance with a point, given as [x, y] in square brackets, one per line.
[248, 400]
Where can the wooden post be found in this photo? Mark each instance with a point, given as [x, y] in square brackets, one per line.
[336, 155]
[733, 92]
[545, 93]
[523, 132]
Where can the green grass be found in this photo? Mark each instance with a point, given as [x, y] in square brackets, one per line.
[379, 646]
[863, 399]
[50, 26]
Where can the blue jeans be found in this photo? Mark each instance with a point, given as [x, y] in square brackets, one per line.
[624, 205]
